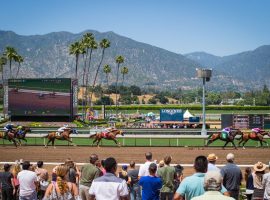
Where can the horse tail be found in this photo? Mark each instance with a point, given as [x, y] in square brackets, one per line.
[46, 136]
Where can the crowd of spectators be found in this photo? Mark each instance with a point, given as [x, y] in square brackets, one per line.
[104, 180]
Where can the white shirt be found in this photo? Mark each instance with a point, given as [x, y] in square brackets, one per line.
[212, 167]
[62, 129]
[27, 181]
[108, 186]
[144, 169]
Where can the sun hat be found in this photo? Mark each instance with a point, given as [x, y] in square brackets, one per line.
[212, 157]
[259, 167]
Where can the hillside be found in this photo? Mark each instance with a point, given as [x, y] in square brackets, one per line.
[149, 66]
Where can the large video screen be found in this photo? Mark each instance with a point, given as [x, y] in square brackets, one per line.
[40, 97]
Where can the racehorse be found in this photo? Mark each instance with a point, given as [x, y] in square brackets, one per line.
[109, 136]
[64, 136]
[253, 136]
[227, 139]
[10, 137]
[22, 135]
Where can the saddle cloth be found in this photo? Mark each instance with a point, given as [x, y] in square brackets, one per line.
[224, 135]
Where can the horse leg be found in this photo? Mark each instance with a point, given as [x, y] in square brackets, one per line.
[98, 143]
[14, 142]
[71, 142]
[94, 141]
[117, 142]
[46, 145]
[234, 145]
[53, 143]
[225, 145]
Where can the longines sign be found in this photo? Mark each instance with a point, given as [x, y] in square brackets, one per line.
[171, 115]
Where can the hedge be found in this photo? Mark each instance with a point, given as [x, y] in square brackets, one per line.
[184, 107]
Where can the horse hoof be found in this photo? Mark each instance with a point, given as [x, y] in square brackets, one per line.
[244, 148]
[54, 147]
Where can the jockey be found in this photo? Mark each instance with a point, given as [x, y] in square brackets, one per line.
[108, 130]
[20, 130]
[257, 130]
[227, 130]
[8, 128]
[61, 130]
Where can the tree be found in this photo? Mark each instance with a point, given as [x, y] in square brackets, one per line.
[3, 62]
[152, 100]
[10, 54]
[104, 44]
[118, 60]
[124, 71]
[135, 90]
[76, 49]
[19, 59]
[105, 100]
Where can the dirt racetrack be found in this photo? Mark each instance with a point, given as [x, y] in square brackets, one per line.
[181, 155]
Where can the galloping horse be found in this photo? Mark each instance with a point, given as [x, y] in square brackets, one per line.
[253, 136]
[109, 136]
[22, 135]
[10, 136]
[227, 139]
[64, 136]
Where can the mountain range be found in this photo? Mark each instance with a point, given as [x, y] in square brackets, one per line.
[47, 56]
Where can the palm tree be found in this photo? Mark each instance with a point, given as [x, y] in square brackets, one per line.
[118, 60]
[86, 43]
[104, 44]
[3, 62]
[124, 71]
[11, 54]
[107, 69]
[19, 59]
[76, 49]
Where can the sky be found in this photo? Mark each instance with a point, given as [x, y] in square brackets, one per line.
[219, 27]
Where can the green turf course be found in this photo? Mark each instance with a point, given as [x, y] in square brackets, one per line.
[140, 142]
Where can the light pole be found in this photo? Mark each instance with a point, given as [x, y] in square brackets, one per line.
[205, 74]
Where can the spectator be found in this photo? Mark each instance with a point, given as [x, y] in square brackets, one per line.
[88, 173]
[28, 182]
[143, 171]
[151, 184]
[43, 176]
[266, 184]
[161, 164]
[178, 176]
[167, 174]
[73, 172]
[232, 176]
[16, 169]
[6, 181]
[109, 186]
[124, 174]
[259, 171]
[212, 158]
[212, 187]
[193, 186]
[133, 181]
[61, 189]
[249, 183]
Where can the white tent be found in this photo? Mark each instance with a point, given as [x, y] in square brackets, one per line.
[187, 115]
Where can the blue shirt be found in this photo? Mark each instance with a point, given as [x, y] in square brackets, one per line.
[150, 187]
[192, 186]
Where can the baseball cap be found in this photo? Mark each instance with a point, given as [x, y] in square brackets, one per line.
[213, 180]
[230, 156]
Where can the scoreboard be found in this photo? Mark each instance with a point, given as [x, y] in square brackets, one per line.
[245, 121]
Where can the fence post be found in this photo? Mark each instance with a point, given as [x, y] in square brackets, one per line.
[150, 141]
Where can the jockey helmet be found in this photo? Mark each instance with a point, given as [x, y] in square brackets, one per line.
[65, 125]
